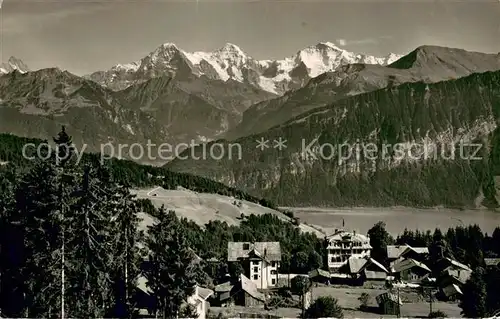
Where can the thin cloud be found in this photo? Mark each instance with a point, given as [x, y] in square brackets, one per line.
[372, 41]
[342, 42]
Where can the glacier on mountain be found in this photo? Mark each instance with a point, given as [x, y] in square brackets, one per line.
[231, 62]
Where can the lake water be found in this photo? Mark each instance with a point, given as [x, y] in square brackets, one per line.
[396, 219]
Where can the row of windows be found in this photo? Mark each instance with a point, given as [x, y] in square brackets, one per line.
[257, 262]
[352, 252]
[339, 259]
[273, 280]
[273, 271]
[349, 245]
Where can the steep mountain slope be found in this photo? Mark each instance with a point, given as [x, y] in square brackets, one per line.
[230, 62]
[13, 64]
[36, 104]
[363, 150]
[427, 63]
[186, 116]
[160, 110]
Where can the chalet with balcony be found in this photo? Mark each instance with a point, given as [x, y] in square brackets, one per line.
[410, 271]
[343, 245]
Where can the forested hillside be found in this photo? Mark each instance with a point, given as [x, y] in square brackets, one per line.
[312, 169]
[126, 172]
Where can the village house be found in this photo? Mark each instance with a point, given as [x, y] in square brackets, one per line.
[260, 261]
[319, 276]
[144, 299]
[450, 293]
[397, 253]
[222, 295]
[410, 271]
[343, 245]
[492, 262]
[243, 293]
[365, 271]
[199, 301]
[448, 267]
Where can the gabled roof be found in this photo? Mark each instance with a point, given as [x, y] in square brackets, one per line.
[457, 264]
[251, 288]
[342, 234]
[204, 293]
[451, 290]
[379, 265]
[318, 272]
[142, 285]
[356, 264]
[271, 251]
[408, 264]
[396, 251]
[226, 286]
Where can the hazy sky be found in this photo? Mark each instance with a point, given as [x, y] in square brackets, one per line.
[86, 36]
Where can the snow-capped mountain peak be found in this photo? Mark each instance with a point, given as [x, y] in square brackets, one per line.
[231, 52]
[13, 64]
[231, 62]
[230, 47]
[169, 45]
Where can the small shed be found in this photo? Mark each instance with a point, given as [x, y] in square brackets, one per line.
[320, 275]
[389, 303]
[222, 295]
[451, 292]
[246, 293]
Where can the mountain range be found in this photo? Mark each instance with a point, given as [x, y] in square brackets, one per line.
[169, 96]
[325, 94]
[161, 110]
[231, 62]
[428, 64]
[323, 159]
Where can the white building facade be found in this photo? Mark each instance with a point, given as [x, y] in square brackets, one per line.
[343, 245]
[260, 261]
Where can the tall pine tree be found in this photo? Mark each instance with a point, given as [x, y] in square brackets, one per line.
[473, 301]
[171, 273]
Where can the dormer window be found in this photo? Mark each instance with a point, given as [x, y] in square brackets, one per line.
[246, 246]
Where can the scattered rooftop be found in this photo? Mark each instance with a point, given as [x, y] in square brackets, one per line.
[271, 251]
[408, 264]
[345, 235]
[396, 251]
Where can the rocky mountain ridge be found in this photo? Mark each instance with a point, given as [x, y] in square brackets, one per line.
[163, 110]
[429, 64]
[13, 64]
[231, 62]
[319, 163]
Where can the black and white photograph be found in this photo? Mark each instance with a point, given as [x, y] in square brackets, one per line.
[219, 159]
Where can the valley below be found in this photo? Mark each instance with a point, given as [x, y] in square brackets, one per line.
[361, 219]
[202, 208]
